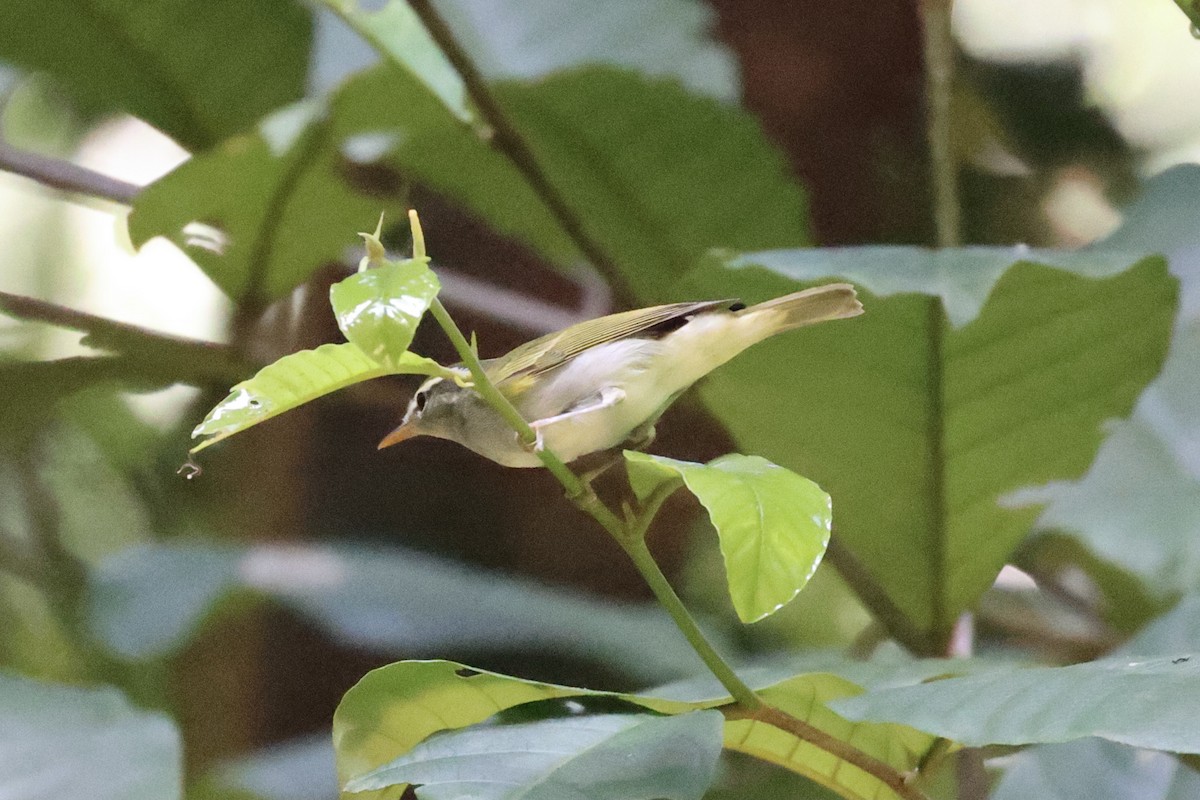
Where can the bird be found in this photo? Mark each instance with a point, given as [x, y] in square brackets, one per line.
[605, 382]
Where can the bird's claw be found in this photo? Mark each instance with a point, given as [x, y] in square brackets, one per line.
[537, 445]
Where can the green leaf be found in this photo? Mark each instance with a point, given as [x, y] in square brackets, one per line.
[772, 523]
[1093, 769]
[296, 379]
[659, 38]
[396, 32]
[148, 601]
[1137, 507]
[623, 151]
[919, 427]
[395, 707]
[263, 211]
[605, 757]
[199, 74]
[65, 741]
[1151, 703]
[657, 174]
[379, 309]
[805, 697]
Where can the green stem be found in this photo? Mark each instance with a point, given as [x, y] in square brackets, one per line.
[630, 533]
[639, 553]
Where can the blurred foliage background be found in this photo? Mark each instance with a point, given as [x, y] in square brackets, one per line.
[246, 601]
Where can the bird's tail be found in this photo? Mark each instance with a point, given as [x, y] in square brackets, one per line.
[818, 304]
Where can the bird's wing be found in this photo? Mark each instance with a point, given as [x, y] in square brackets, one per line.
[553, 349]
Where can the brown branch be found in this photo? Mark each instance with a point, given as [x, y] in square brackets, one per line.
[510, 143]
[60, 174]
[512, 308]
[938, 49]
[203, 358]
[885, 773]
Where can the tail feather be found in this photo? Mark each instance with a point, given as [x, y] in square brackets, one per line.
[818, 304]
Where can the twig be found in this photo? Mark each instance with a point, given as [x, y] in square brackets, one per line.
[509, 142]
[939, 80]
[65, 176]
[512, 308]
[885, 773]
[104, 332]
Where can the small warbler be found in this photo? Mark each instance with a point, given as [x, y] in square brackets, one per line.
[607, 381]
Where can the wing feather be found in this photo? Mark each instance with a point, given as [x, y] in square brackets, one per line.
[553, 349]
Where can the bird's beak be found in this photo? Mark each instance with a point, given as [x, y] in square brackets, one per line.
[403, 433]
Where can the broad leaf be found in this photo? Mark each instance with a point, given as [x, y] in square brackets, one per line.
[657, 174]
[395, 707]
[266, 209]
[659, 38]
[379, 309]
[772, 523]
[805, 697]
[623, 151]
[296, 379]
[1151, 703]
[604, 757]
[148, 601]
[396, 32]
[198, 73]
[1093, 769]
[919, 426]
[1137, 506]
[295, 769]
[65, 741]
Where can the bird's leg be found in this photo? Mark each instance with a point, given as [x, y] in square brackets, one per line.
[641, 437]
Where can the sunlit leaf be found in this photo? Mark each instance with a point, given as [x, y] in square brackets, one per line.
[395, 707]
[379, 309]
[773, 524]
[266, 209]
[918, 426]
[296, 379]
[605, 757]
[65, 741]
[198, 73]
[805, 697]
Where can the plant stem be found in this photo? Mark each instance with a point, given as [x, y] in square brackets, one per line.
[510, 143]
[630, 533]
[939, 87]
[65, 176]
[668, 599]
[204, 357]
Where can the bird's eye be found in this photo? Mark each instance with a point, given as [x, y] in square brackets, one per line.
[420, 401]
